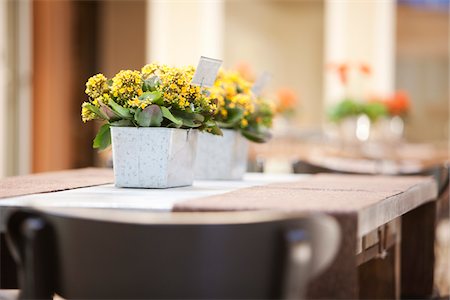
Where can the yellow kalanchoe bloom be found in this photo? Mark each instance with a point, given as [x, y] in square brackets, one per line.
[175, 86]
[138, 103]
[86, 113]
[150, 69]
[245, 101]
[232, 91]
[101, 99]
[154, 69]
[244, 123]
[96, 86]
[126, 85]
[134, 102]
[224, 112]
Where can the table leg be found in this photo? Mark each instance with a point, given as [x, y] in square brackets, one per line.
[340, 280]
[379, 277]
[417, 252]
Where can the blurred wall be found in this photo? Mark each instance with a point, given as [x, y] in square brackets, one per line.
[360, 32]
[15, 87]
[73, 40]
[422, 61]
[3, 76]
[286, 39]
[122, 35]
[54, 84]
[64, 55]
[179, 32]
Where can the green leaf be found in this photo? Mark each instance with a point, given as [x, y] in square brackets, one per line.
[173, 125]
[122, 123]
[183, 114]
[103, 138]
[120, 110]
[168, 115]
[108, 112]
[191, 123]
[150, 84]
[235, 115]
[224, 124]
[199, 117]
[159, 101]
[150, 116]
[96, 111]
[190, 119]
[210, 123]
[260, 136]
[188, 115]
[150, 96]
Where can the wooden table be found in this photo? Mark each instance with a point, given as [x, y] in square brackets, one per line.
[384, 220]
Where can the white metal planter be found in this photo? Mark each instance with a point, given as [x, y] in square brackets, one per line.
[153, 157]
[221, 157]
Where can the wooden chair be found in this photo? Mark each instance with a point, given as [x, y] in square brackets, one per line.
[100, 254]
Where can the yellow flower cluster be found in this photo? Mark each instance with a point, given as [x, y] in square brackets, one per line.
[234, 83]
[173, 83]
[101, 99]
[135, 102]
[126, 85]
[96, 86]
[231, 91]
[153, 69]
[86, 113]
[245, 101]
[175, 86]
[263, 114]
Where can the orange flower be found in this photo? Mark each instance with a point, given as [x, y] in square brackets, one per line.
[287, 99]
[365, 69]
[343, 73]
[399, 103]
[245, 70]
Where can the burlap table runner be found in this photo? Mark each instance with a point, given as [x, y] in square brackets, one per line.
[54, 181]
[322, 192]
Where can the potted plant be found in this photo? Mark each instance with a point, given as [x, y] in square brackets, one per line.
[356, 113]
[152, 118]
[242, 117]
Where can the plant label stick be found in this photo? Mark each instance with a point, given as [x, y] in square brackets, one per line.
[260, 83]
[206, 72]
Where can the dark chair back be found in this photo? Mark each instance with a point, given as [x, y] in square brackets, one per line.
[131, 255]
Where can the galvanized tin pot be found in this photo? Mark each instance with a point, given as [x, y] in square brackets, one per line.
[153, 157]
[221, 157]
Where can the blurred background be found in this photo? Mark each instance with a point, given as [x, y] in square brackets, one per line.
[48, 49]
